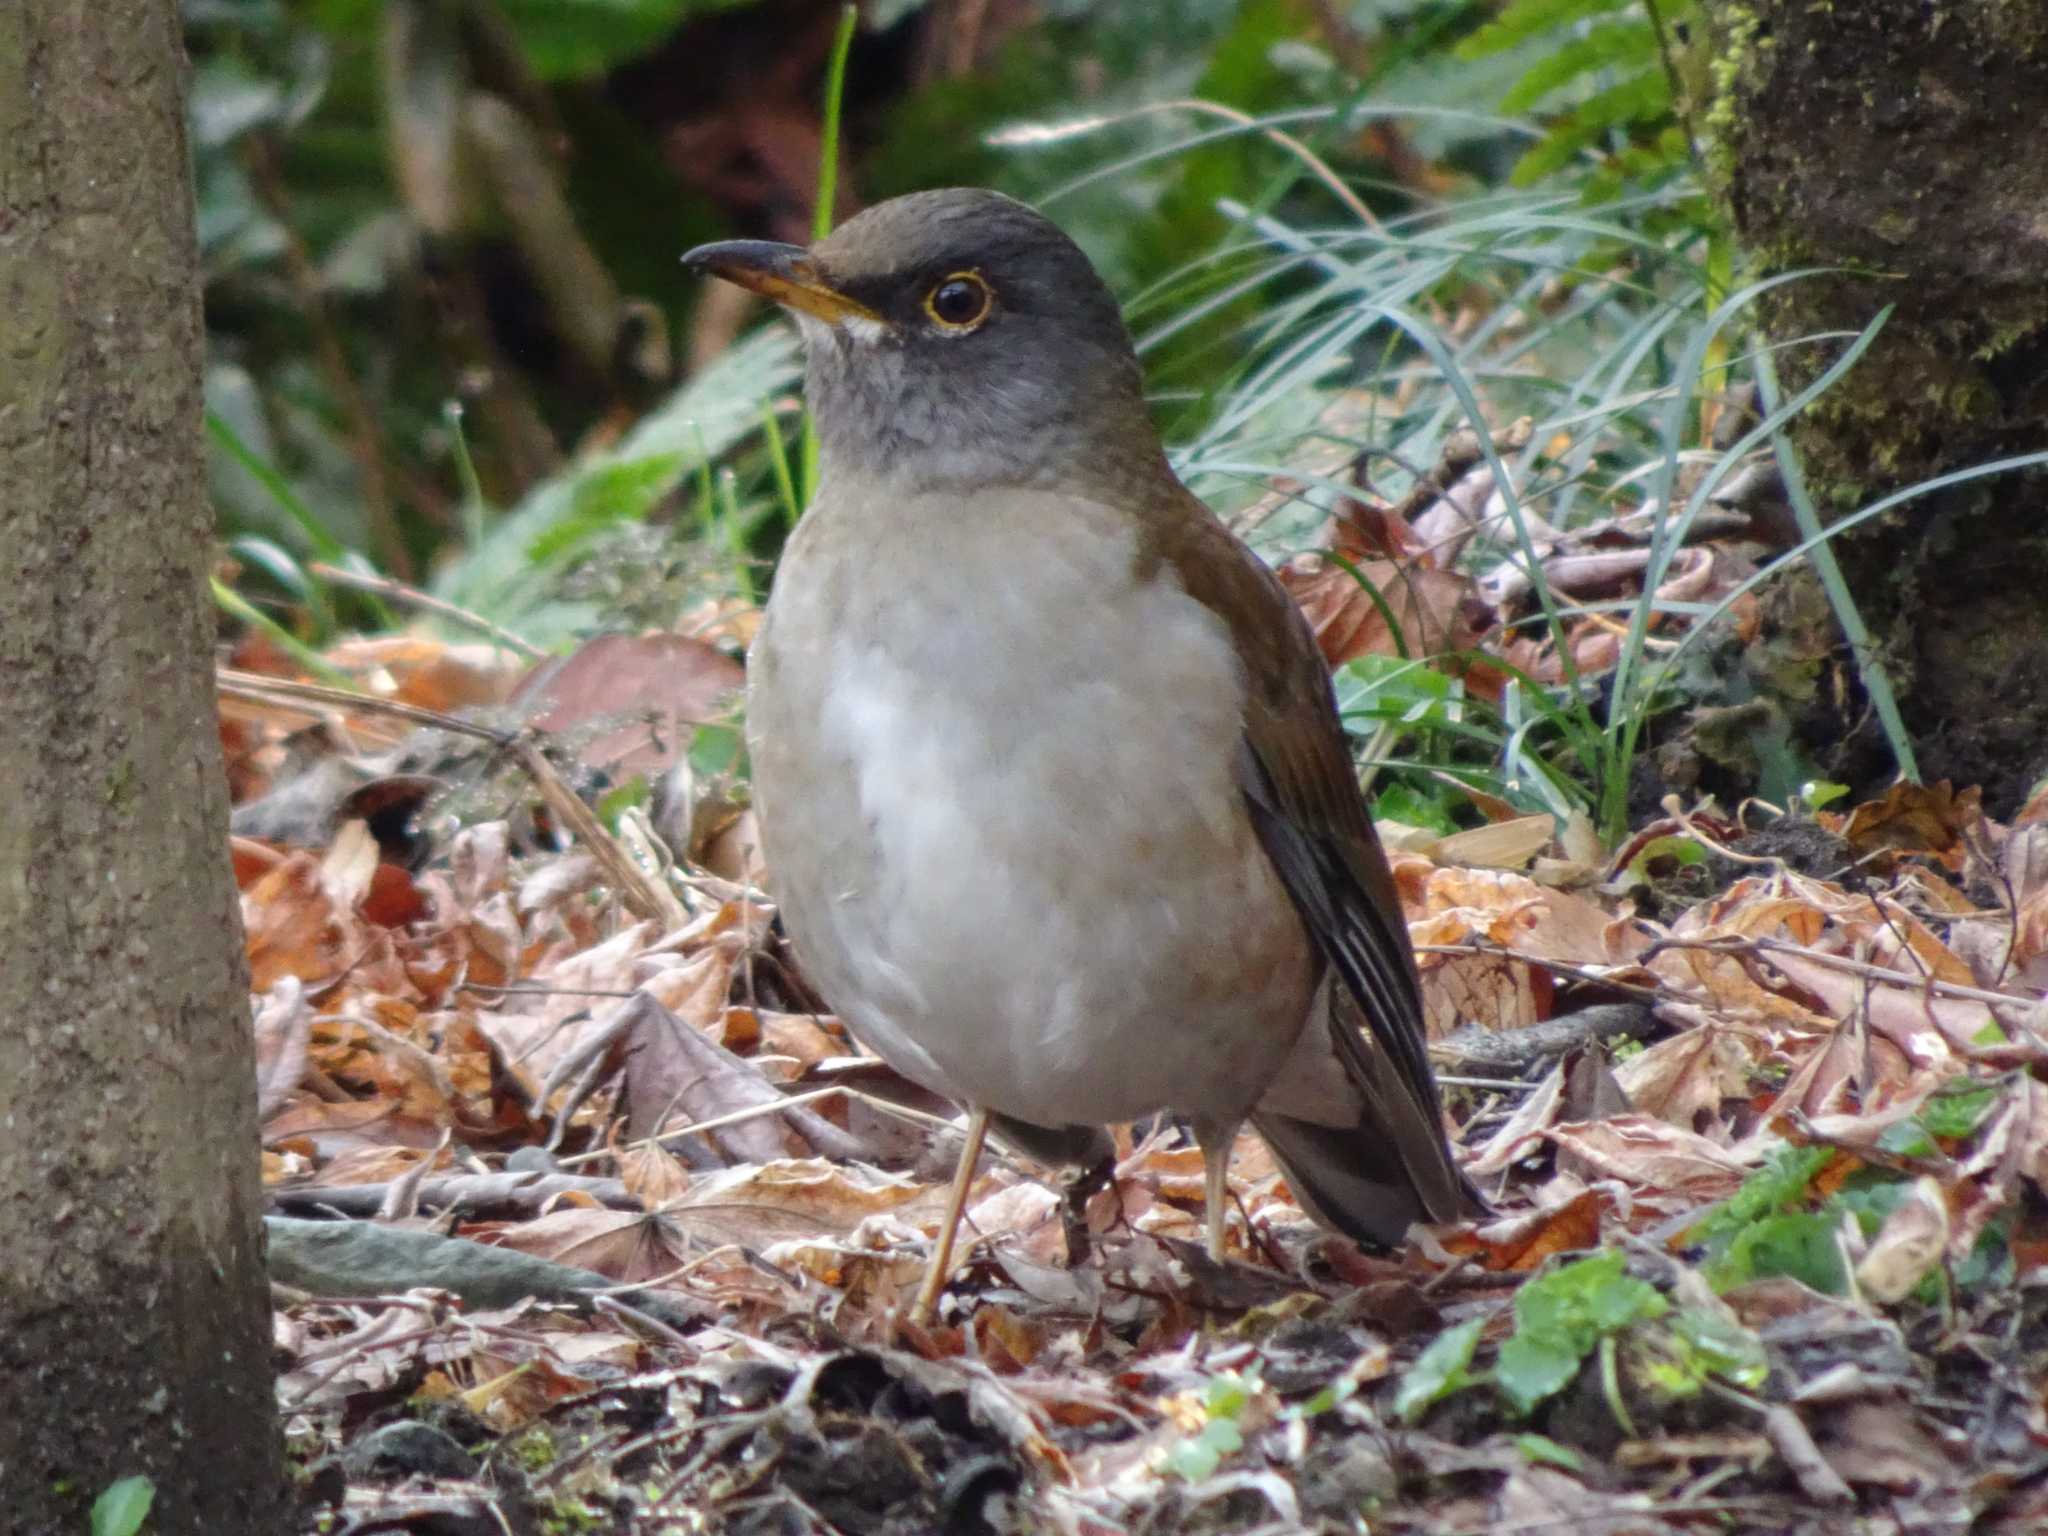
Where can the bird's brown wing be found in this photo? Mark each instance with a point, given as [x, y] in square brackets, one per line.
[1370, 1179]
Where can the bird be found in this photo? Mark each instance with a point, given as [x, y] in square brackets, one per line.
[1053, 795]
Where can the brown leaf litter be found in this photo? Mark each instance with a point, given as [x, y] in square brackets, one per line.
[472, 1043]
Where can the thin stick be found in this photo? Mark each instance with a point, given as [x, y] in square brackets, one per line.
[316, 698]
[755, 1112]
[956, 1201]
[642, 894]
[385, 586]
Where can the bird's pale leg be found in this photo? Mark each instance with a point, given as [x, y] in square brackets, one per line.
[1215, 1142]
[956, 1200]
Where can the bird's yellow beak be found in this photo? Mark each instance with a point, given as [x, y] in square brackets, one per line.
[784, 273]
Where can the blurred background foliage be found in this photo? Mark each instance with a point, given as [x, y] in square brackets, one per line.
[451, 341]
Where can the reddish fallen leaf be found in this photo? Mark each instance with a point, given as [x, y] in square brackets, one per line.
[1641, 1150]
[632, 700]
[1915, 818]
[1521, 1242]
[1349, 621]
[393, 901]
[429, 673]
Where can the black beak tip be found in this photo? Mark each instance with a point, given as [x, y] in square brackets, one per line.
[723, 256]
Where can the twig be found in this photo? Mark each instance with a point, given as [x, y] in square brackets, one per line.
[776, 1107]
[1588, 974]
[262, 689]
[539, 989]
[1770, 946]
[1477, 1049]
[640, 894]
[512, 1190]
[1789, 1438]
[385, 586]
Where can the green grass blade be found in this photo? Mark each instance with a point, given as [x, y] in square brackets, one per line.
[1870, 666]
[828, 188]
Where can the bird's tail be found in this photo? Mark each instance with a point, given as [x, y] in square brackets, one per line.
[1379, 1164]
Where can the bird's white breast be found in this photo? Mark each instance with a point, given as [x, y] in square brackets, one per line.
[999, 807]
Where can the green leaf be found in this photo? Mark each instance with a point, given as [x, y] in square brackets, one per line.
[1406, 804]
[1525, 19]
[1373, 689]
[1954, 1113]
[716, 750]
[1870, 1195]
[604, 497]
[1322, 1402]
[1223, 1399]
[579, 39]
[1785, 1177]
[1818, 793]
[1440, 1370]
[1908, 1138]
[501, 576]
[1988, 1264]
[226, 99]
[1696, 1346]
[1226, 1396]
[1617, 43]
[627, 796]
[321, 542]
[1682, 851]
[121, 1510]
[1946, 1116]
[1591, 1296]
[1197, 1458]
[1534, 1366]
[1543, 1449]
[1561, 1316]
[1641, 98]
[1799, 1244]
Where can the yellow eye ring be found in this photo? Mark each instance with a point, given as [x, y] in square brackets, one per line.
[959, 301]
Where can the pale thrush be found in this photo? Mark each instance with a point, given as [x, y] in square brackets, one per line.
[1053, 793]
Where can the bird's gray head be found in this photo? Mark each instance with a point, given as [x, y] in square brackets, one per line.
[957, 339]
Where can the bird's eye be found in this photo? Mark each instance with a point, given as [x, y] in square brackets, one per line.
[960, 301]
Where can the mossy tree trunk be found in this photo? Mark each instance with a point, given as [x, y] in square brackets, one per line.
[1901, 144]
[134, 1320]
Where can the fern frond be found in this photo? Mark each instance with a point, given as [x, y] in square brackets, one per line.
[1612, 45]
[1522, 20]
[1642, 98]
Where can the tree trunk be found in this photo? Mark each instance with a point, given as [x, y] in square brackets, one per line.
[1902, 143]
[134, 1322]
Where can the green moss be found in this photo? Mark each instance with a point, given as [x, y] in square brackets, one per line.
[567, 1516]
[121, 786]
[2007, 336]
[1736, 55]
[2018, 25]
[534, 1450]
